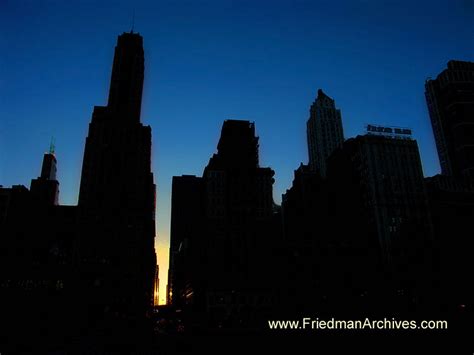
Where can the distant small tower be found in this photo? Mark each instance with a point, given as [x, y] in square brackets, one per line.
[45, 188]
[48, 170]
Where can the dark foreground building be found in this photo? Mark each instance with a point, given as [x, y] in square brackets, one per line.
[305, 208]
[223, 235]
[83, 276]
[305, 225]
[359, 239]
[36, 248]
[451, 201]
[114, 254]
[185, 272]
[450, 100]
[373, 237]
[382, 233]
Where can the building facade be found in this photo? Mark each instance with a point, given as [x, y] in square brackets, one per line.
[185, 272]
[115, 249]
[382, 239]
[305, 226]
[451, 202]
[223, 260]
[36, 260]
[324, 132]
[387, 179]
[450, 99]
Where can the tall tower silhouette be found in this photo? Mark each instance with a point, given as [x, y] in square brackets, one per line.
[324, 132]
[126, 84]
[115, 248]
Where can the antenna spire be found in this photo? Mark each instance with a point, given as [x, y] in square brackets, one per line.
[51, 146]
[133, 21]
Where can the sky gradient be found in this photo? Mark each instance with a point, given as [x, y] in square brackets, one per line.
[206, 61]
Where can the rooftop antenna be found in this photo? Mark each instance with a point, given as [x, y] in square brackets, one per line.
[51, 146]
[133, 21]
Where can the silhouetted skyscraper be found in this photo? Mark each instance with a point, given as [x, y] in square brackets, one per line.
[45, 188]
[186, 237]
[324, 132]
[450, 99]
[304, 210]
[305, 205]
[223, 234]
[382, 176]
[381, 240]
[239, 233]
[451, 201]
[115, 249]
[126, 84]
[36, 247]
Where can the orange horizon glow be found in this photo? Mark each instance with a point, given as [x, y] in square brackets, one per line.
[162, 257]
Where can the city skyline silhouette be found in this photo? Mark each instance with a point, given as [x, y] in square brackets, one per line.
[225, 189]
[276, 96]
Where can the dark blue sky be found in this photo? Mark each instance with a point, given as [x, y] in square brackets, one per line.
[207, 61]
